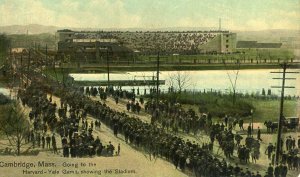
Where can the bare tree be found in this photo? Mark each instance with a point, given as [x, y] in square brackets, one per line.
[15, 127]
[64, 68]
[233, 80]
[177, 82]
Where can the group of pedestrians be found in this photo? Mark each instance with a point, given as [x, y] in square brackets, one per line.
[150, 137]
[71, 123]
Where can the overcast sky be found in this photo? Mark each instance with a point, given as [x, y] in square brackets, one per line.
[235, 14]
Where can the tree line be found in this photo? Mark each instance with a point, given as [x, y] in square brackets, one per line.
[4, 46]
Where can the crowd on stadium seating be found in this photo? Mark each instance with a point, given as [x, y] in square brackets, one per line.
[147, 42]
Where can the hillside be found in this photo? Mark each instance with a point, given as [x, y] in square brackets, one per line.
[262, 36]
[32, 29]
[267, 35]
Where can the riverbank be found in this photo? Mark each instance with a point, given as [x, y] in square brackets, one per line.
[97, 68]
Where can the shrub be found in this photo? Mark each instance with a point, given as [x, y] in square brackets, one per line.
[4, 99]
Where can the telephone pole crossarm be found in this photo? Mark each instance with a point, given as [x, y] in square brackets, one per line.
[281, 116]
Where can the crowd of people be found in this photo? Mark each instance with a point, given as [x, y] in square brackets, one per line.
[158, 142]
[177, 119]
[103, 92]
[289, 157]
[173, 117]
[146, 42]
[77, 139]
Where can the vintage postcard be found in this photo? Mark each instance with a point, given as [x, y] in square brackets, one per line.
[142, 88]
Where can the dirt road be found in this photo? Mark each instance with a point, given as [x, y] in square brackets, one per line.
[260, 165]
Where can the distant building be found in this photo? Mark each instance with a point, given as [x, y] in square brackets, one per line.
[86, 47]
[224, 42]
[255, 44]
[290, 42]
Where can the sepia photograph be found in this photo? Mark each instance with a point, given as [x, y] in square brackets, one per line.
[145, 88]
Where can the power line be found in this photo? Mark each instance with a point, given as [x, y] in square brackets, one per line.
[281, 116]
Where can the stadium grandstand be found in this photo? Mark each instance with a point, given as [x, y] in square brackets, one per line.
[145, 42]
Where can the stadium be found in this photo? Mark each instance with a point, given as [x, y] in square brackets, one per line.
[94, 45]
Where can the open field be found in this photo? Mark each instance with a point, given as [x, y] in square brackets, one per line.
[269, 109]
[242, 54]
[263, 109]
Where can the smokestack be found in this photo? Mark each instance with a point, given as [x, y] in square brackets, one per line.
[220, 24]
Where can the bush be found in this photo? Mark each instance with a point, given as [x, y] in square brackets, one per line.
[4, 99]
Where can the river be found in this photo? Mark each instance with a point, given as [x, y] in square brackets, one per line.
[248, 81]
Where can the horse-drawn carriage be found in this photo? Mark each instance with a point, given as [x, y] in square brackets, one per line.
[290, 123]
[271, 126]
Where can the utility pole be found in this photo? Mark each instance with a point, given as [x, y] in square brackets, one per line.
[107, 64]
[28, 64]
[46, 61]
[157, 75]
[157, 84]
[281, 116]
[157, 80]
[21, 71]
[63, 59]
[46, 53]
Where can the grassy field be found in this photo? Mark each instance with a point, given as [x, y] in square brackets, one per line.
[265, 109]
[267, 53]
[56, 74]
[269, 109]
[255, 54]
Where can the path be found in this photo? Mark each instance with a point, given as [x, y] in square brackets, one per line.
[130, 159]
[261, 164]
